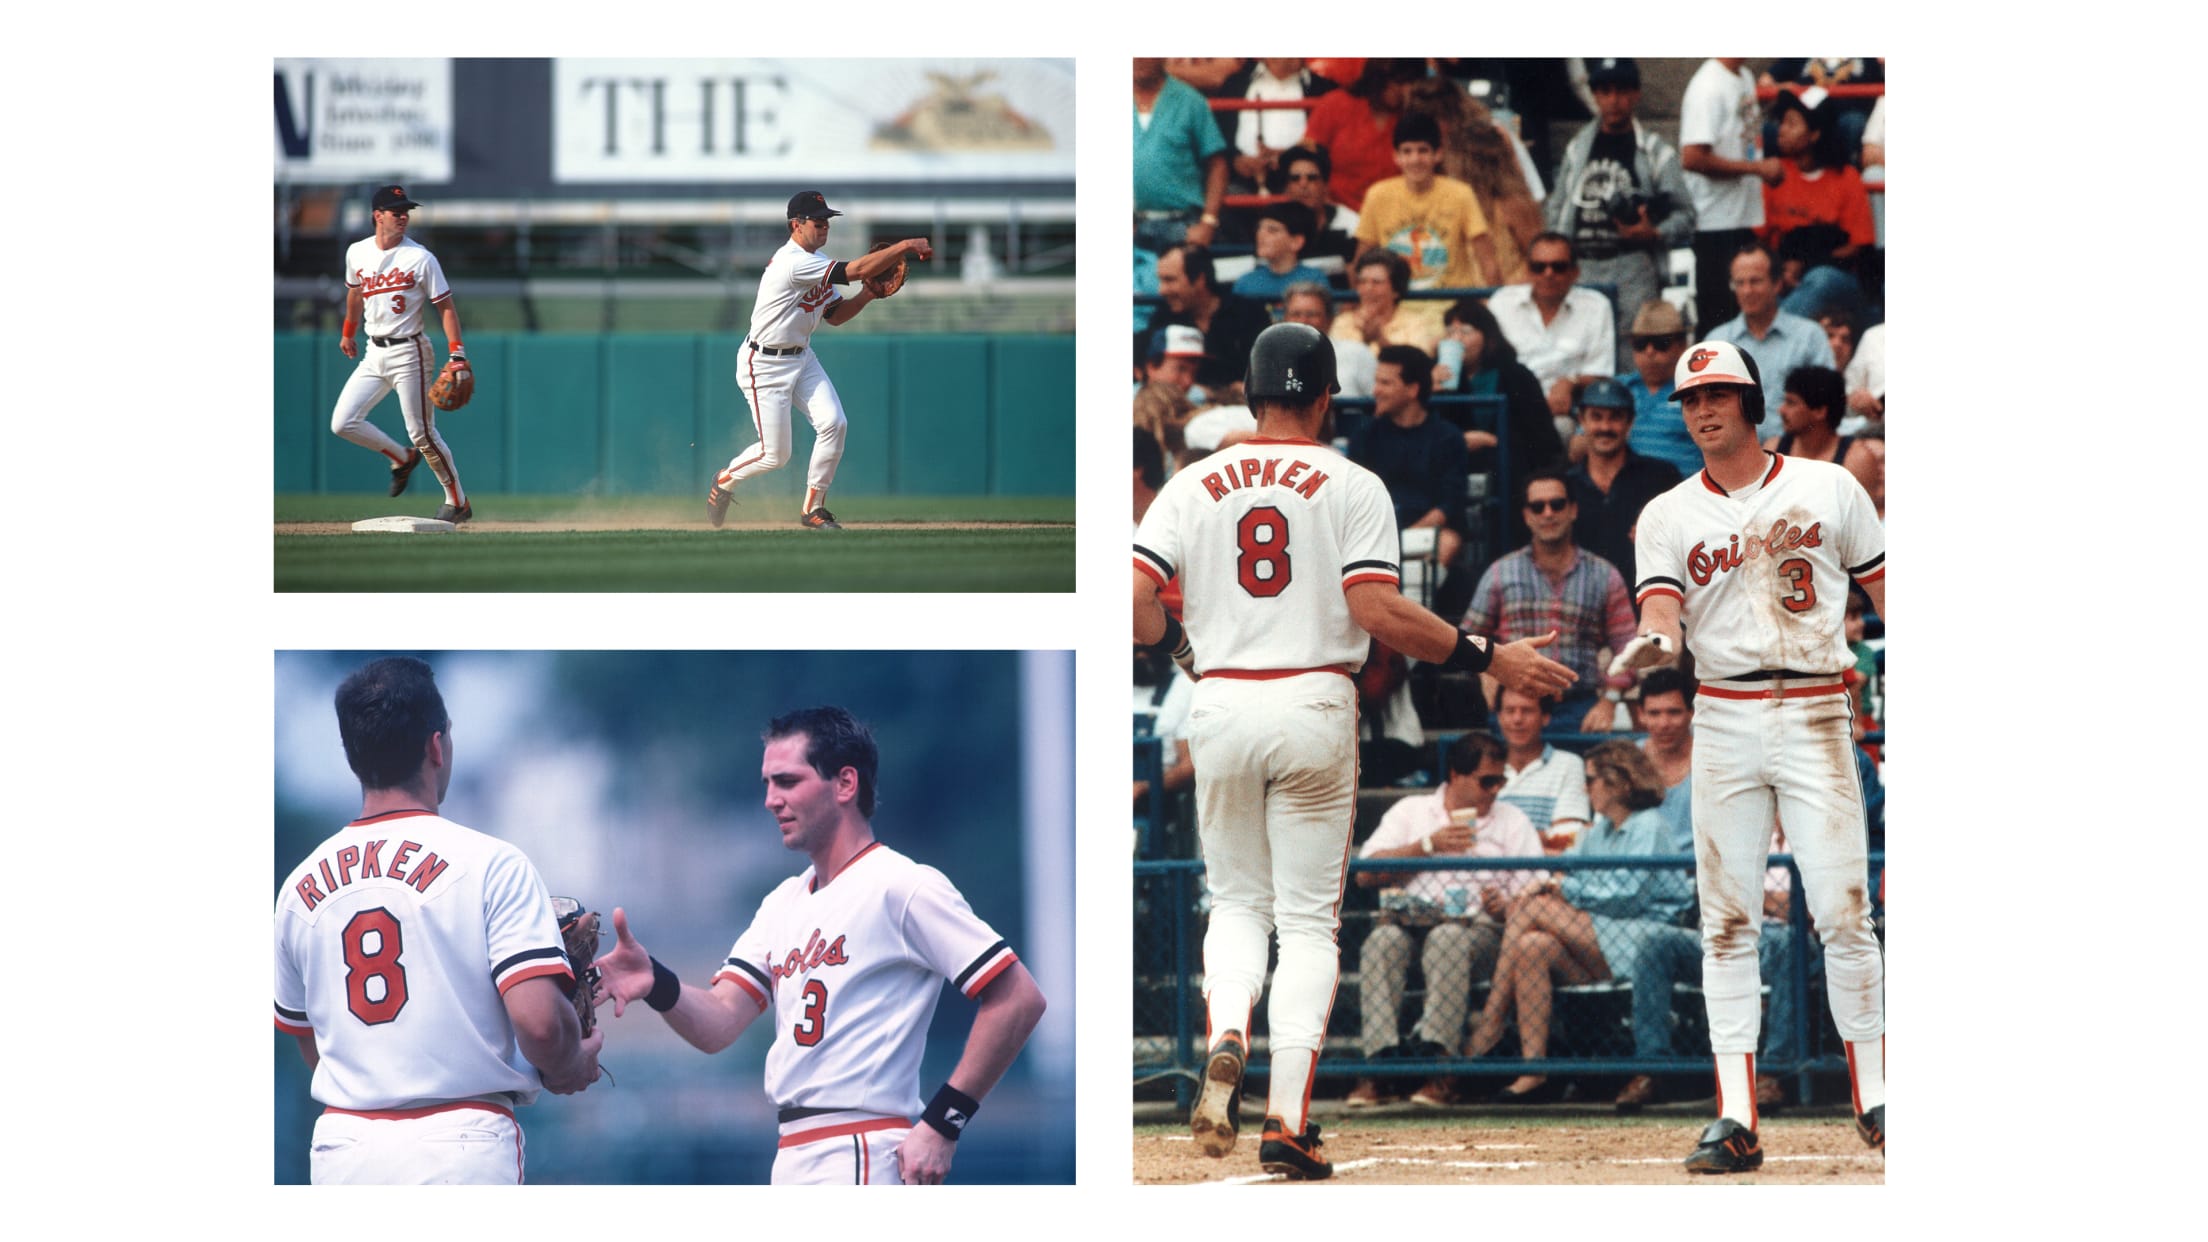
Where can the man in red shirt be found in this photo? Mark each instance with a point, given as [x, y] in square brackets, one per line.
[1818, 217]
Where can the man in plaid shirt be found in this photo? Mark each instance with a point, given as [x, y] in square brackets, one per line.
[1554, 584]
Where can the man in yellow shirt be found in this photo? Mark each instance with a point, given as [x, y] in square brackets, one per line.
[1433, 221]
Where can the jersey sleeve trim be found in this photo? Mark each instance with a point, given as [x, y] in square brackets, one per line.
[293, 1021]
[529, 964]
[1871, 570]
[1156, 566]
[1371, 571]
[982, 969]
[748, 977]
[1660, 586]
[837, 275]
[733, 976]
[441, 298]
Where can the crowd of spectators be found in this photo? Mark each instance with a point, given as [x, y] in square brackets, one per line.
[1508, 307]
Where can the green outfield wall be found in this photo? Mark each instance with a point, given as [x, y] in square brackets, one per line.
[655, 414]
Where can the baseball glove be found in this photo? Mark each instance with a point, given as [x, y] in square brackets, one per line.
[579, 931]
[455, 384]
[882, 284]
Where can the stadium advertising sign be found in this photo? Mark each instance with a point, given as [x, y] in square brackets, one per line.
[345, 120]
[859, 120]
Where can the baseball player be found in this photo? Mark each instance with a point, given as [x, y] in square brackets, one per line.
[777, 367]
[389, 278]
[1753, 556]
[850, 955]
[1287, 557]
[419, 965]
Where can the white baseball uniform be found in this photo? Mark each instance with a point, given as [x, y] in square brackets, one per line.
[396, 940]
[1762, 576]
[1266, 538]
[776, 367]
[852, 969]
[396, 286]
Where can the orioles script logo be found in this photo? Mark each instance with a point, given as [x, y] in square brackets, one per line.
[812, 299]
[816, 952]
[1702, 565]
[385, 282]
[1700, 358]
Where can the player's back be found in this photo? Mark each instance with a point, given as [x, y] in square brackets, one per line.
[394, 941]
[1265, 537]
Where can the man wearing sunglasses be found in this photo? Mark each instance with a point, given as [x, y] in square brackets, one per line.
[1553, 584]
[1658, 339]
[1563, 334]
[1461, 913]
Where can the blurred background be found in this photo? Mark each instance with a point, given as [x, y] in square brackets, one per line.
[604, 222]
[632, 779]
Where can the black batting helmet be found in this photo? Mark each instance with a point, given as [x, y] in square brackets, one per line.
[1721, 362]
[1291, 362]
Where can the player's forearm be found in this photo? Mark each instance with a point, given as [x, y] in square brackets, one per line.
[1149, 613]
[552, 1040]
[1215, 185]
[308, 1052]
[1876, 589]
[848, 308]
[352, 311]
[1382, 611]
[708, 1021]
[1008, 1011]
[452, 326]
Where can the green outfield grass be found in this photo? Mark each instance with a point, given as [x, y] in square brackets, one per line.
[560, 543]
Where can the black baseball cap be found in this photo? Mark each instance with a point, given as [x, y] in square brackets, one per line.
[1613, 71]
[391, 198]
[809, 205]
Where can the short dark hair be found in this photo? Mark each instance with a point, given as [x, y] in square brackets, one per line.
[1752, 246]
[1195, 262]
[386, 712]
[1554, 238]
[1416, 364]
[1149, 459]
[1379, 71]
[1838, 317]
[1546, 702]
[1668, 680]
[1277, 180]
[1546, 474]
[1399, 271]
[1820, 388]
[834, 740]
[1418, 127]
[1468, 753]
[1293, 216]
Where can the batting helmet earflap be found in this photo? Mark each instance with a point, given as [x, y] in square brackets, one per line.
[1721, 362]
[1291, 362]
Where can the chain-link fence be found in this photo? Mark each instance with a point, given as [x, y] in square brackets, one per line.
[1424, 983]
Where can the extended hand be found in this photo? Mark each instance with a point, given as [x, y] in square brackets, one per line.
[348, 347]
[626, 973]
[1522, 667]
[919, 248]
[1643, 651]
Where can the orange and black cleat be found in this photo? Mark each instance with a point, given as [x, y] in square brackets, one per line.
[403, 471]
[1299, 1157]
[819, 519]
[1217, 1117]
[1726, 1147]
[1872, 1127]
[716, 504]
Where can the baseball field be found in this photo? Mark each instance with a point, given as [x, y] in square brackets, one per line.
[644, 543]
[1560, 1145]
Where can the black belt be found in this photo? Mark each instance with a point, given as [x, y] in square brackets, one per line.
[779, 353]
[784, 1116]
[1773, 674]
[393, 340]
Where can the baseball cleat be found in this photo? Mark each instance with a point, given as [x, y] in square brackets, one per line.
[1218, 1113]
[448, 513]
[1298, 1157]
[819, 519]
[716, 504]
[405, 470]
[1872, 1127]
[1726, 1147]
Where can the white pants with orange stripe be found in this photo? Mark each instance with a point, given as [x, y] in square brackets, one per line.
[771, 385]
[1276, 797]
[455, 1146]
[837, 1151]
[407, 369]
[1792, 757]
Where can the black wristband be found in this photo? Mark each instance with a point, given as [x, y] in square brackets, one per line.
[1471, 656]
[666, 988]
[950, 1110]
[1175, 637]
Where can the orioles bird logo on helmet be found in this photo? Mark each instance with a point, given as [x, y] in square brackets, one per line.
[1700, 359]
